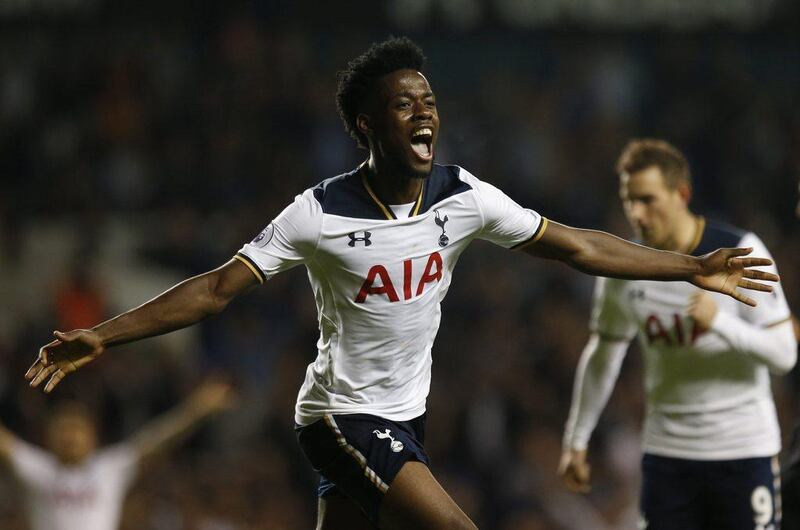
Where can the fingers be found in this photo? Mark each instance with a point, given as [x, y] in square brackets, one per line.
[576, 480]
[58, 375]
[735, 252]
[754, 286]
[742, 298]
[760, 275]
[35, 368]
[752, 262]
[43, 374]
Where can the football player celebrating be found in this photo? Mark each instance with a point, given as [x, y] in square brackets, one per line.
[380, 243]
[72, 485]
[711, 432]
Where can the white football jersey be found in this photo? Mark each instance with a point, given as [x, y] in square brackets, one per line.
[88, 496]
[705, 400]
[379, 281]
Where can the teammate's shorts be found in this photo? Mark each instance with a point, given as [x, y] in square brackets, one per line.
[679, 494]
[790, 479]
[359, 455]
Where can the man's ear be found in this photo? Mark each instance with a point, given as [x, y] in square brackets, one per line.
[363, 122]
[685, 191]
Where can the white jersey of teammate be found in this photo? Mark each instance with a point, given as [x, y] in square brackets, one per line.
[88, 496]
[379, 280]
[708, 395]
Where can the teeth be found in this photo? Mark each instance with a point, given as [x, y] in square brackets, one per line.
[423, 132]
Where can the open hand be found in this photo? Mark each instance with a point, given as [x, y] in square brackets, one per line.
[64, 355]
[725, 271]
[575, 471]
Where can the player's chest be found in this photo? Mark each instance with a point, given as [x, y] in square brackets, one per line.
[73, 489]
[400, 259]
[359, 244]
[660, 310]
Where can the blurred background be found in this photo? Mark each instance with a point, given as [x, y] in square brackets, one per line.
[145, 141]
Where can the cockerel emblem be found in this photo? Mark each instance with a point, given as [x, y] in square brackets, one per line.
[440, 222]
[394, 445]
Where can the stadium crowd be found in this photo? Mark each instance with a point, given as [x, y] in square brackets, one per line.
[133, 157]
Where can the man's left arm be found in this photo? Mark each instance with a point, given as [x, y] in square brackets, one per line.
[765, 332]
[772, 344]
[602, 254]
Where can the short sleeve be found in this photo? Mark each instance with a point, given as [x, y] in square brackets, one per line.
[609, 318]
[118, 465]
[31, 465]
[505, 222]
[289, 240]
[772, 307]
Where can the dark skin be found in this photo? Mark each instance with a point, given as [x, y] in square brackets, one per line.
[402, 106]
[403, 103]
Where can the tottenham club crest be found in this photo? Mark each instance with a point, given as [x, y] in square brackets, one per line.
[264, 237]
[440, 222]
[395, 445]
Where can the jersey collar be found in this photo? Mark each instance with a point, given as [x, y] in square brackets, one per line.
[385, 209]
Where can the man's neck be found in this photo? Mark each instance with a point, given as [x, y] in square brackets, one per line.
[687, 233]
[391, 188]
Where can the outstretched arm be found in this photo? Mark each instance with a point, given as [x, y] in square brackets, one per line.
[603, 254]
[595, 377]
[183, 305]
[209, 398]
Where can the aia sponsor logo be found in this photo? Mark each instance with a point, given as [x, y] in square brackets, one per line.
[675, 333]
[379, 282]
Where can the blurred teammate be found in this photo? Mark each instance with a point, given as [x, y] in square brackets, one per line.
[711, 432]
[72, 485]
[790, 476]
[380, 244]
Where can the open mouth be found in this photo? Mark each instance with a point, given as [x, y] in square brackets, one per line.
[421, 143]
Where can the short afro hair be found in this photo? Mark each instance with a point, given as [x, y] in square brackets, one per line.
[358, 79]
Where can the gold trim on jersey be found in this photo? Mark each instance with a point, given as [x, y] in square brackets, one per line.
[250, 265]
[415, 211]
[699, 230]
[356, 454]
[385, 209]
[535, 237]
[778, 323]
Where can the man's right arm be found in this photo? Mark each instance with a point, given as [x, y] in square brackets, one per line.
[7, 440]
[595, 378]
[183, 305]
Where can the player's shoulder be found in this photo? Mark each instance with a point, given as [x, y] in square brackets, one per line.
[344, 195]
[717, 234]
[444, 182]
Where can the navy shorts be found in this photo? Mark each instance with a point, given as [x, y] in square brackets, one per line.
[358, 455]
[679, 494]
[790, 478]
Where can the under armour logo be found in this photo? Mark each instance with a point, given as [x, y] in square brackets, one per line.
[443, 239]
[365, 239]
[395, 446]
